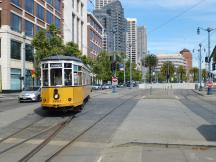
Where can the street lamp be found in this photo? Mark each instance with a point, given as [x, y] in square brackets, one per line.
[114, 58]
[130, 45]
[209, 30]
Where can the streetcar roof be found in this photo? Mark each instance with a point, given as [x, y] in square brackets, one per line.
[62, 57]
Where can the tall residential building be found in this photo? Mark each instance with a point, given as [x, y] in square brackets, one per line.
[19, 21]
[111, 16]
[188, 58]
[94, 36]
[101, 3]
[132, 39]
[141, 43]
[75, 23]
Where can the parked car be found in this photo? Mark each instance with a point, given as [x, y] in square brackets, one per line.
[96, 86]
[106, 86]
[30, 94]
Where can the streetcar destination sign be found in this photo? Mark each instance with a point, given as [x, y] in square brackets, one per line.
[55, 65]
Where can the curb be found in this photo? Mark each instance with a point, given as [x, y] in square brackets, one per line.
[198, 93]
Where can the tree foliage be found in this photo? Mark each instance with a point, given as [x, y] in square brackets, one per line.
[151, 62]
[181, 71]
[204, 74]
[102, 67]
[168, 70]
[194, 72]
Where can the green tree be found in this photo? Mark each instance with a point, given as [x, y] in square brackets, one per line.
[167, 70]
[72, 48]
[181, 72]
[151, 62]
[102, 67]
[194, 72]
[47, 43]
[204, 74]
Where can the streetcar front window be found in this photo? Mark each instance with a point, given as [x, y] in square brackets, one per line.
[68, 77]
[56, 77]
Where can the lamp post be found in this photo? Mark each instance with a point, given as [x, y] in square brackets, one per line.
[209, 30]
[200, 66]
[24, 62]
[130, 46]
[114, 59]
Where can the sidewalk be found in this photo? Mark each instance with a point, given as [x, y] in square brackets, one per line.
[8, 96]
[160, 131]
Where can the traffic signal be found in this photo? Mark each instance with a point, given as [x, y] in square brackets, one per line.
[206, 59]
[33, 73]
[214, 66]
[113, 66]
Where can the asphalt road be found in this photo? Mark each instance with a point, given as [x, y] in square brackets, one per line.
[118, 126]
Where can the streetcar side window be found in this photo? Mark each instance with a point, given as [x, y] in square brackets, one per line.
[77, 75]
[56, 77]
[45, 78]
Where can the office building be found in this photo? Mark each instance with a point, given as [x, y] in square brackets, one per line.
[75, 23]
[101, 3]
[20, 20]
[176, 59]
[94, 36]
[132, 39]
[111, 16]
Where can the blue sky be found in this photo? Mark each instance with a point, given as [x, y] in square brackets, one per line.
[180, 32]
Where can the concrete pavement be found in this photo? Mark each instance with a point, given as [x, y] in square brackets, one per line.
[160, 131]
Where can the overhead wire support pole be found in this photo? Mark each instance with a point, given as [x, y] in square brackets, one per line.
[209, 30]
[200, 66]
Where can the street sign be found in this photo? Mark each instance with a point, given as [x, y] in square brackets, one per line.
[114, 81]
[210, 84]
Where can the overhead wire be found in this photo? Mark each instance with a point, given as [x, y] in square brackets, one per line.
[178, 15]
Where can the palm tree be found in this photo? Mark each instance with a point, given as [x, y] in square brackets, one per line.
[182, 72]
[204, 74]
[151, 62]
[194, 72]
[168, 70]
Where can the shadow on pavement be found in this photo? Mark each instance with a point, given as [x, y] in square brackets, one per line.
[208, 132]
[48, 113]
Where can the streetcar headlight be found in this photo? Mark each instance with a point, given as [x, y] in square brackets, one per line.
[56, 96]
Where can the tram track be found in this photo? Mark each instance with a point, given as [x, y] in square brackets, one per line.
[54, 155]
[20, 130]
[186, 97]
[53, 131]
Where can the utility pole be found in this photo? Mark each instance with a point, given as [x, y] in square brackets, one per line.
[209, 30]
[130, 45]
[200, 66]
[114, 60]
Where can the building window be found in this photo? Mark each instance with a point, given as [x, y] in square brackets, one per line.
[15, 50]
[15, 79]
[15, 23]
[57, 5]
[58, 23]
[16, 2]
[40, 12]
[49, 18]
[0, 18]
[0, 48]
[50, 2]
[29, 28]
[29, 53]
[29, 6]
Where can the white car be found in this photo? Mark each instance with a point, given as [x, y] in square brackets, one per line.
[30, 94]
